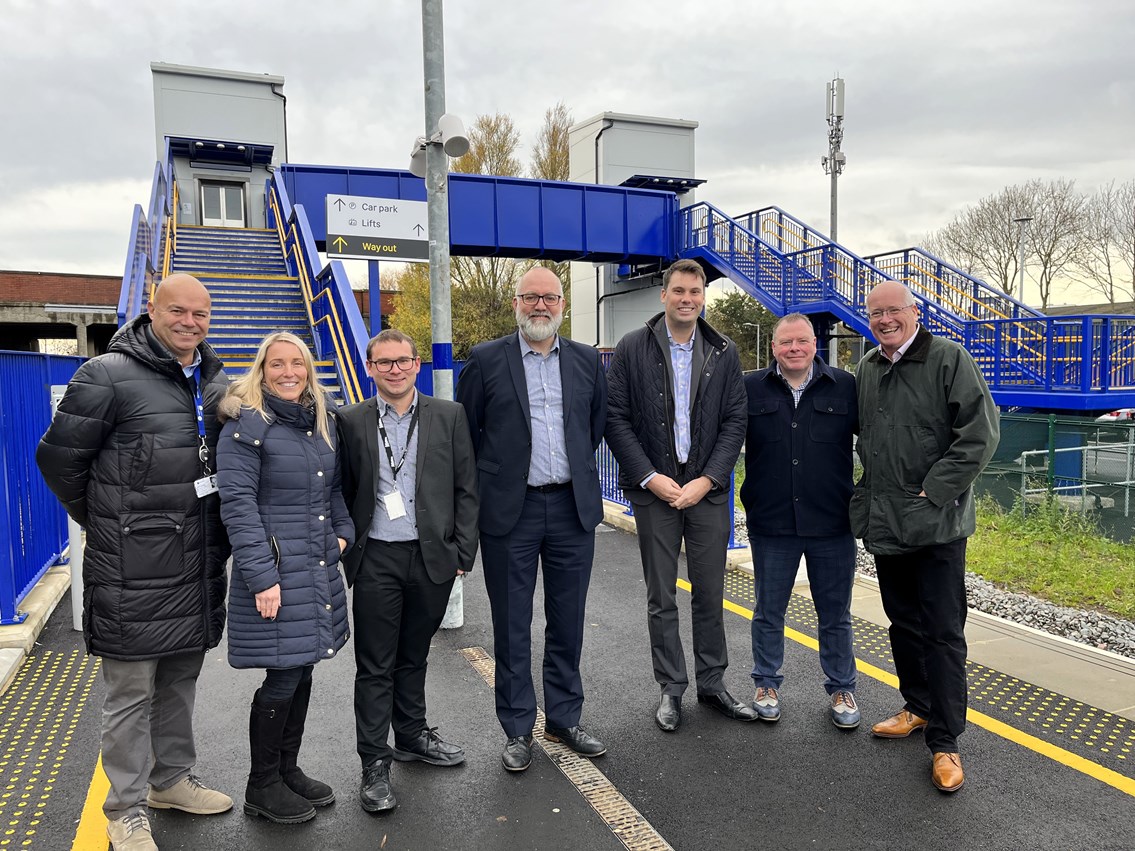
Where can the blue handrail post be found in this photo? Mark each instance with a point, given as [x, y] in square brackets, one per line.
[1086, 340]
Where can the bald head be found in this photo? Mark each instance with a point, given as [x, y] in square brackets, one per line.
[892, 315]
[179, 313]
[891, 291]
[541, 276]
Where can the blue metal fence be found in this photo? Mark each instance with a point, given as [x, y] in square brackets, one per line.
[33, 525]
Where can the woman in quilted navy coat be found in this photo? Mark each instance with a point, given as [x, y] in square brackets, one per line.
[281, 502]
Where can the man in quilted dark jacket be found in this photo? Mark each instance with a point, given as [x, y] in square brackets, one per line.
[130, 454]
[676, 420]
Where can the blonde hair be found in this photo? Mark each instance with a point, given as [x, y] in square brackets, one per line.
[249, 388]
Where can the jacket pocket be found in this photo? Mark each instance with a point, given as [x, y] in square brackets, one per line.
[153, 545]
[141, 459]
[764, 424]
[924, 524]
[828, 423]
[487, 466]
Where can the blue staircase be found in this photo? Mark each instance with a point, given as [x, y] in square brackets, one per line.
[1078, 363]
[253, 294]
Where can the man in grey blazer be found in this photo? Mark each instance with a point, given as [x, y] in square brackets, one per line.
[410, 481]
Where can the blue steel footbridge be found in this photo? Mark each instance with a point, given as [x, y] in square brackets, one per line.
[1066, 363]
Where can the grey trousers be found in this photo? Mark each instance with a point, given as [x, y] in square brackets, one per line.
[705, 528]
[147, 727]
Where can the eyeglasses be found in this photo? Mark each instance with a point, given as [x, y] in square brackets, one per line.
[385, 365]
[889, 312]
[550, 299]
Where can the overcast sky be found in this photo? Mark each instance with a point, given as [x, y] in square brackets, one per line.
[946, 102]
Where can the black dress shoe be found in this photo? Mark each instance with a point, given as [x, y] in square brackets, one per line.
[669, 714]
[576, 738]
[375, 792]
[725, 703]
[517, 754]
[429, 747]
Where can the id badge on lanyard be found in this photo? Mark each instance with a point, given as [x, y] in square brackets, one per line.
[207, 484]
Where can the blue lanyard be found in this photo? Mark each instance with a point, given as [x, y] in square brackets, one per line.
[199, 402]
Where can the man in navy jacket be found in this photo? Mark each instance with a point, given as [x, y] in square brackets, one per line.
[537, 406]
[802, 418]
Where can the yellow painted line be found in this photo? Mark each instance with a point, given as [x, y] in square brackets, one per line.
[979, 719]
[91, 833]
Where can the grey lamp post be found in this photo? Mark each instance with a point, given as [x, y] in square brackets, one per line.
[1023, 222]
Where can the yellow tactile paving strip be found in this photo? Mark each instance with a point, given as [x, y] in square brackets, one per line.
[38, 716]
[1105, 738]
[627, 824]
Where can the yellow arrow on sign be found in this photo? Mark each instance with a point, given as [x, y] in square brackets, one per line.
[339, 243]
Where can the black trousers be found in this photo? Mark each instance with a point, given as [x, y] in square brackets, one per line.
[397, 609]
[924, 595]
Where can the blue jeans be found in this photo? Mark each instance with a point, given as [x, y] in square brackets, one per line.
[831, 573]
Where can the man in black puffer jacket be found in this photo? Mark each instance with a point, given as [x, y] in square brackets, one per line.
[130, 455]
[676, 420]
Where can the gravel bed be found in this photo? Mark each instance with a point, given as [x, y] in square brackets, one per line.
[1094, 629]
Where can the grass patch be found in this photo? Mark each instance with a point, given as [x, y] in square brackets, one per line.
[1053, 553]
[1049, 552]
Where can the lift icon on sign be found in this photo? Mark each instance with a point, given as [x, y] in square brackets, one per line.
[366, 228]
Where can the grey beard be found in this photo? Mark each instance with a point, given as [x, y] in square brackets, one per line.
[538, 333]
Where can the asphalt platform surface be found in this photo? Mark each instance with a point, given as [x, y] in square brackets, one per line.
[714, 784]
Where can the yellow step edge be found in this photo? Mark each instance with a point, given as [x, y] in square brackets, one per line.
[233, 230]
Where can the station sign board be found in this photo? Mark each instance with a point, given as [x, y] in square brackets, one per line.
[367, 228]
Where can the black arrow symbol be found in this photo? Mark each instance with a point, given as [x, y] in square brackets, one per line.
[419, 229]
[339, 203]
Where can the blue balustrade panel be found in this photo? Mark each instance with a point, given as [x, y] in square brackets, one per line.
[510, 216]
[33, 525]
[425, 381]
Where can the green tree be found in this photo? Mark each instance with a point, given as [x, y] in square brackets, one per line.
[482, 287]
[550, 161]
[746, 322]
[411, 285]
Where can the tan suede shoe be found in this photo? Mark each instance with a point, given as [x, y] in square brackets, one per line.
[898, 726]
[947, 774]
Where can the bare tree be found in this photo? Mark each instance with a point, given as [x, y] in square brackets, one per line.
[1099, 265]
[982, 240]
[985, 239]
[1056, 233]
[1107, 261]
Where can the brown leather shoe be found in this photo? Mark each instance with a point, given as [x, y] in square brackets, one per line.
[947, 774]
[898, 726]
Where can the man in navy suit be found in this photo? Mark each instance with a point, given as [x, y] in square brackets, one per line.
[537, 406]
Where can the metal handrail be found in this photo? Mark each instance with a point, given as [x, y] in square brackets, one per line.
[291, 242]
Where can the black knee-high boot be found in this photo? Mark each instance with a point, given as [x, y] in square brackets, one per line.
[319, 794]
[266, 794]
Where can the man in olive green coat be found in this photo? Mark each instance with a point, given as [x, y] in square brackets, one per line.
[928, 426]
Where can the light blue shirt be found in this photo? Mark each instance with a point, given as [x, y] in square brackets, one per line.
[681, 359]
[546, 402]
[189, 370]
[404, 528]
